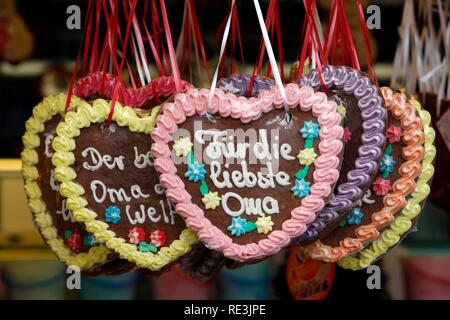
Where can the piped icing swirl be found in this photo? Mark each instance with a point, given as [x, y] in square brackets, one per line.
[239, 84]
[373, 115]
[403, 222]
[195, 101]
[413, 154]
[102, 84]
[45, 111]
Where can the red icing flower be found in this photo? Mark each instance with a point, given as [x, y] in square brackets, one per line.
[158, 238]
[394, 133]
[136, 235]
[347, 135]
[381, 186]
[74, 242]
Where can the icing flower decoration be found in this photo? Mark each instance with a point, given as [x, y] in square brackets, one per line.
[381, 186]
[306, 156]
[147, 247]
[355, 216]
[301, 188]
[89, 240]
[136, 235]
[387, 164]
[347, 135]
[112, 214]
[394, 133]
[182, 146]
[342, 110]
[211, 200]
[74, 242]
[196, 172]
[310, 130]
[158, 238]
[238, 226]
[264, 224]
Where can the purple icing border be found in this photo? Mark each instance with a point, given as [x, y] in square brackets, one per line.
[373, 139]
[241, 83]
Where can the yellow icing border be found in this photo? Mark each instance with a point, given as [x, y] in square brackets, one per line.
[63, 158]
[403, 221]
[42, 113]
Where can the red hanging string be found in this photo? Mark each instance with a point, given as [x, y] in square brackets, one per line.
[77, 60]
[199, 37]
[119, 76]
[368, 48]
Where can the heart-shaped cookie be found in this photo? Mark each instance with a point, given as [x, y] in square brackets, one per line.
[406, 221]
[68, 239]
[397, 174]
[107, 175]
[260, 180]
[361, 104]
[100, 84]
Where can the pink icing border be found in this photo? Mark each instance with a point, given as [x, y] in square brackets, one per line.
[194, 102]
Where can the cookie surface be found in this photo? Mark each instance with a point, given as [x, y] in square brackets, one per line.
[362, 106]
[398, 171]
[248, 198]
[107, 175]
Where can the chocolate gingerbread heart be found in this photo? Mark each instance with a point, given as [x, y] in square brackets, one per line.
[361, 104]
[67, 239]
[398, 171]
[107, 175]
[405, 221]
[269, 194]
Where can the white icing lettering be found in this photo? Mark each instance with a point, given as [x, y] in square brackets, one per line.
[98, 160]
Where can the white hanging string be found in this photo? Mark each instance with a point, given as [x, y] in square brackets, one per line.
[272, 60]
[226, 32]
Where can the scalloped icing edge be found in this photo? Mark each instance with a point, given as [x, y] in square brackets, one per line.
[195, 102]
[395, 200]
[343, 196]
[63, 158]
[403, 222]
[42, 113]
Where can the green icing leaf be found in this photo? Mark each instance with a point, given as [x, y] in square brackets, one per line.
[309, 143]
[301, 174]
[67, 234]
[250, 226]
[204, 188]
[388, 150]
[147, 247]
[191, 158]
[386, 174]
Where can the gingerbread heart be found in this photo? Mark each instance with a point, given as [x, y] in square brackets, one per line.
[361, 105]
[102, 85]
[260, 180]
[397, 174]
[106, 173]
[405, 221]
[67, 239]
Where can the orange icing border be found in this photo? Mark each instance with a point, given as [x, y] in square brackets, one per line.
[413, 153]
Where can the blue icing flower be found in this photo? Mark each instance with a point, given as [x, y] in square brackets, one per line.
[89, 241]
[355, 216]
[387, 164]
[310, 130]
[301, 188]
[196, 172]
[112, 214]
[237, 227]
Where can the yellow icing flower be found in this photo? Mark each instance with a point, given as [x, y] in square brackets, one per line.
[211, 200]
[182, 146]
[264, 224]
[306, 156]
[342, 110]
